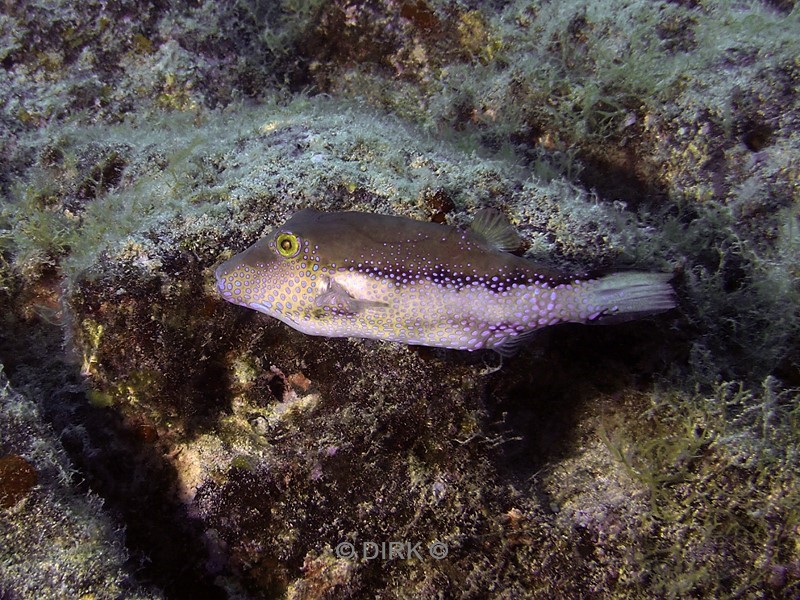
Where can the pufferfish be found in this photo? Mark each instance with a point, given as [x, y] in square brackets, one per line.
[353, 274]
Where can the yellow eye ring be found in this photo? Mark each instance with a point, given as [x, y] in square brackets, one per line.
[288, 245]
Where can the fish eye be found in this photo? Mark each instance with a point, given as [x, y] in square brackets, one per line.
[288, 245]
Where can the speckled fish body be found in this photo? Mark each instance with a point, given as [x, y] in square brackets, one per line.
[392, 278]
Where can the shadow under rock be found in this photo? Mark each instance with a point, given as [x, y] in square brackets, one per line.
[536, 400]
[117, 461]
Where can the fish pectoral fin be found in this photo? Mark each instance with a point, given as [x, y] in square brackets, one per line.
[337, 298]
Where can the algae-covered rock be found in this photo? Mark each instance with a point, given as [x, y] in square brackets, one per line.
[144, 144]
[56, 540]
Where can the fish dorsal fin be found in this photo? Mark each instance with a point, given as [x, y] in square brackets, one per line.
[491, 226]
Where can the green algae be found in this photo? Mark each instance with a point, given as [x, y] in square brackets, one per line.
[718, 471]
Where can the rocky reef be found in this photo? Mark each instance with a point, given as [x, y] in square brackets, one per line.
[156, 441]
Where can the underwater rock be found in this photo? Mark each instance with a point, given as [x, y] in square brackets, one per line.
[147, 143]
[56, 539]
[17, 478]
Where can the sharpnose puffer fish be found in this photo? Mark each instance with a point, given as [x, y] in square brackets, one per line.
[352, 274]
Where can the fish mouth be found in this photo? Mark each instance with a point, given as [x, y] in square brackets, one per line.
[219, 273]
[222, 275]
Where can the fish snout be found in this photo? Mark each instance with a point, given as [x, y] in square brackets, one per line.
[220, 273]
[228, 283]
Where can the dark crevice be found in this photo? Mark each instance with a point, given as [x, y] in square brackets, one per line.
[115, 460]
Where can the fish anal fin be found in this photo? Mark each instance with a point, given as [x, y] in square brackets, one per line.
[513, 344]
[492, 226]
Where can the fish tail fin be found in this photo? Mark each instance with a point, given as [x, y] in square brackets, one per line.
[626, 296]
